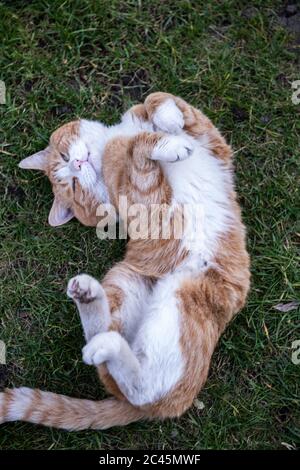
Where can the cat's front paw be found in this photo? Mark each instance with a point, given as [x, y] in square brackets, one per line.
[172, 148]
[101, 348]
[168, 117]
[84, 289]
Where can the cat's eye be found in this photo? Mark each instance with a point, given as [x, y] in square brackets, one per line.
[64, 156]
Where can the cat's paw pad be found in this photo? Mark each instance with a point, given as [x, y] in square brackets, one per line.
[101, 348]
[172, 149]
[84, 289]
[168, 117]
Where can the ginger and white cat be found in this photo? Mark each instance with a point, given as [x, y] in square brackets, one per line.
[152, 325]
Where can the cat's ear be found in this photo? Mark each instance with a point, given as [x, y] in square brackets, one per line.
[59, 214]
[37, 161]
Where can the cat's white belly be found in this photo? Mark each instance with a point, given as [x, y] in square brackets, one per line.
[157, 343]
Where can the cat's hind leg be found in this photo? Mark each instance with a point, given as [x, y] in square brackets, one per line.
[116, 304]
[114, 307]
[108, 346]
[112, 353]
[94, 310]
[92, 304]
[108, 309]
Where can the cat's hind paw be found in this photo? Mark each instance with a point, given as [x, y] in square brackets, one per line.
[101, 348]
[84, 289]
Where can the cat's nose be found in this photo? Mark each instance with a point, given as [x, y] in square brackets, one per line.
[77, 164]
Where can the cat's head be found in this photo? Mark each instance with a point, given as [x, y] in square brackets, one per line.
[72, 162]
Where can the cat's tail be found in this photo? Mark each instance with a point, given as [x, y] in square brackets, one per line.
[59, 411]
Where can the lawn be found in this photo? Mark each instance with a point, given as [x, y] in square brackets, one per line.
[236, 61]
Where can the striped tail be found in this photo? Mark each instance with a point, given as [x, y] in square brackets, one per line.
[59, 411]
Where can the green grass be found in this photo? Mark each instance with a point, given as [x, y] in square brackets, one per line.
[93, 59]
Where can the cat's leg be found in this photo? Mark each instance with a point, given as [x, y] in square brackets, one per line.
[92, 303]
[127, 291]
[93, 307]
[174, 115]
[110, 346]
[146, 182]
[172, 148]
[115, 305]
[163, 111]
[111, 353]
[164, 108]
[159, 112]
[150, 147]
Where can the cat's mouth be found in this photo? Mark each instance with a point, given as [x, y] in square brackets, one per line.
[85, 171]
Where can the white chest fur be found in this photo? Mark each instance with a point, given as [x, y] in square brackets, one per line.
[201, 183]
